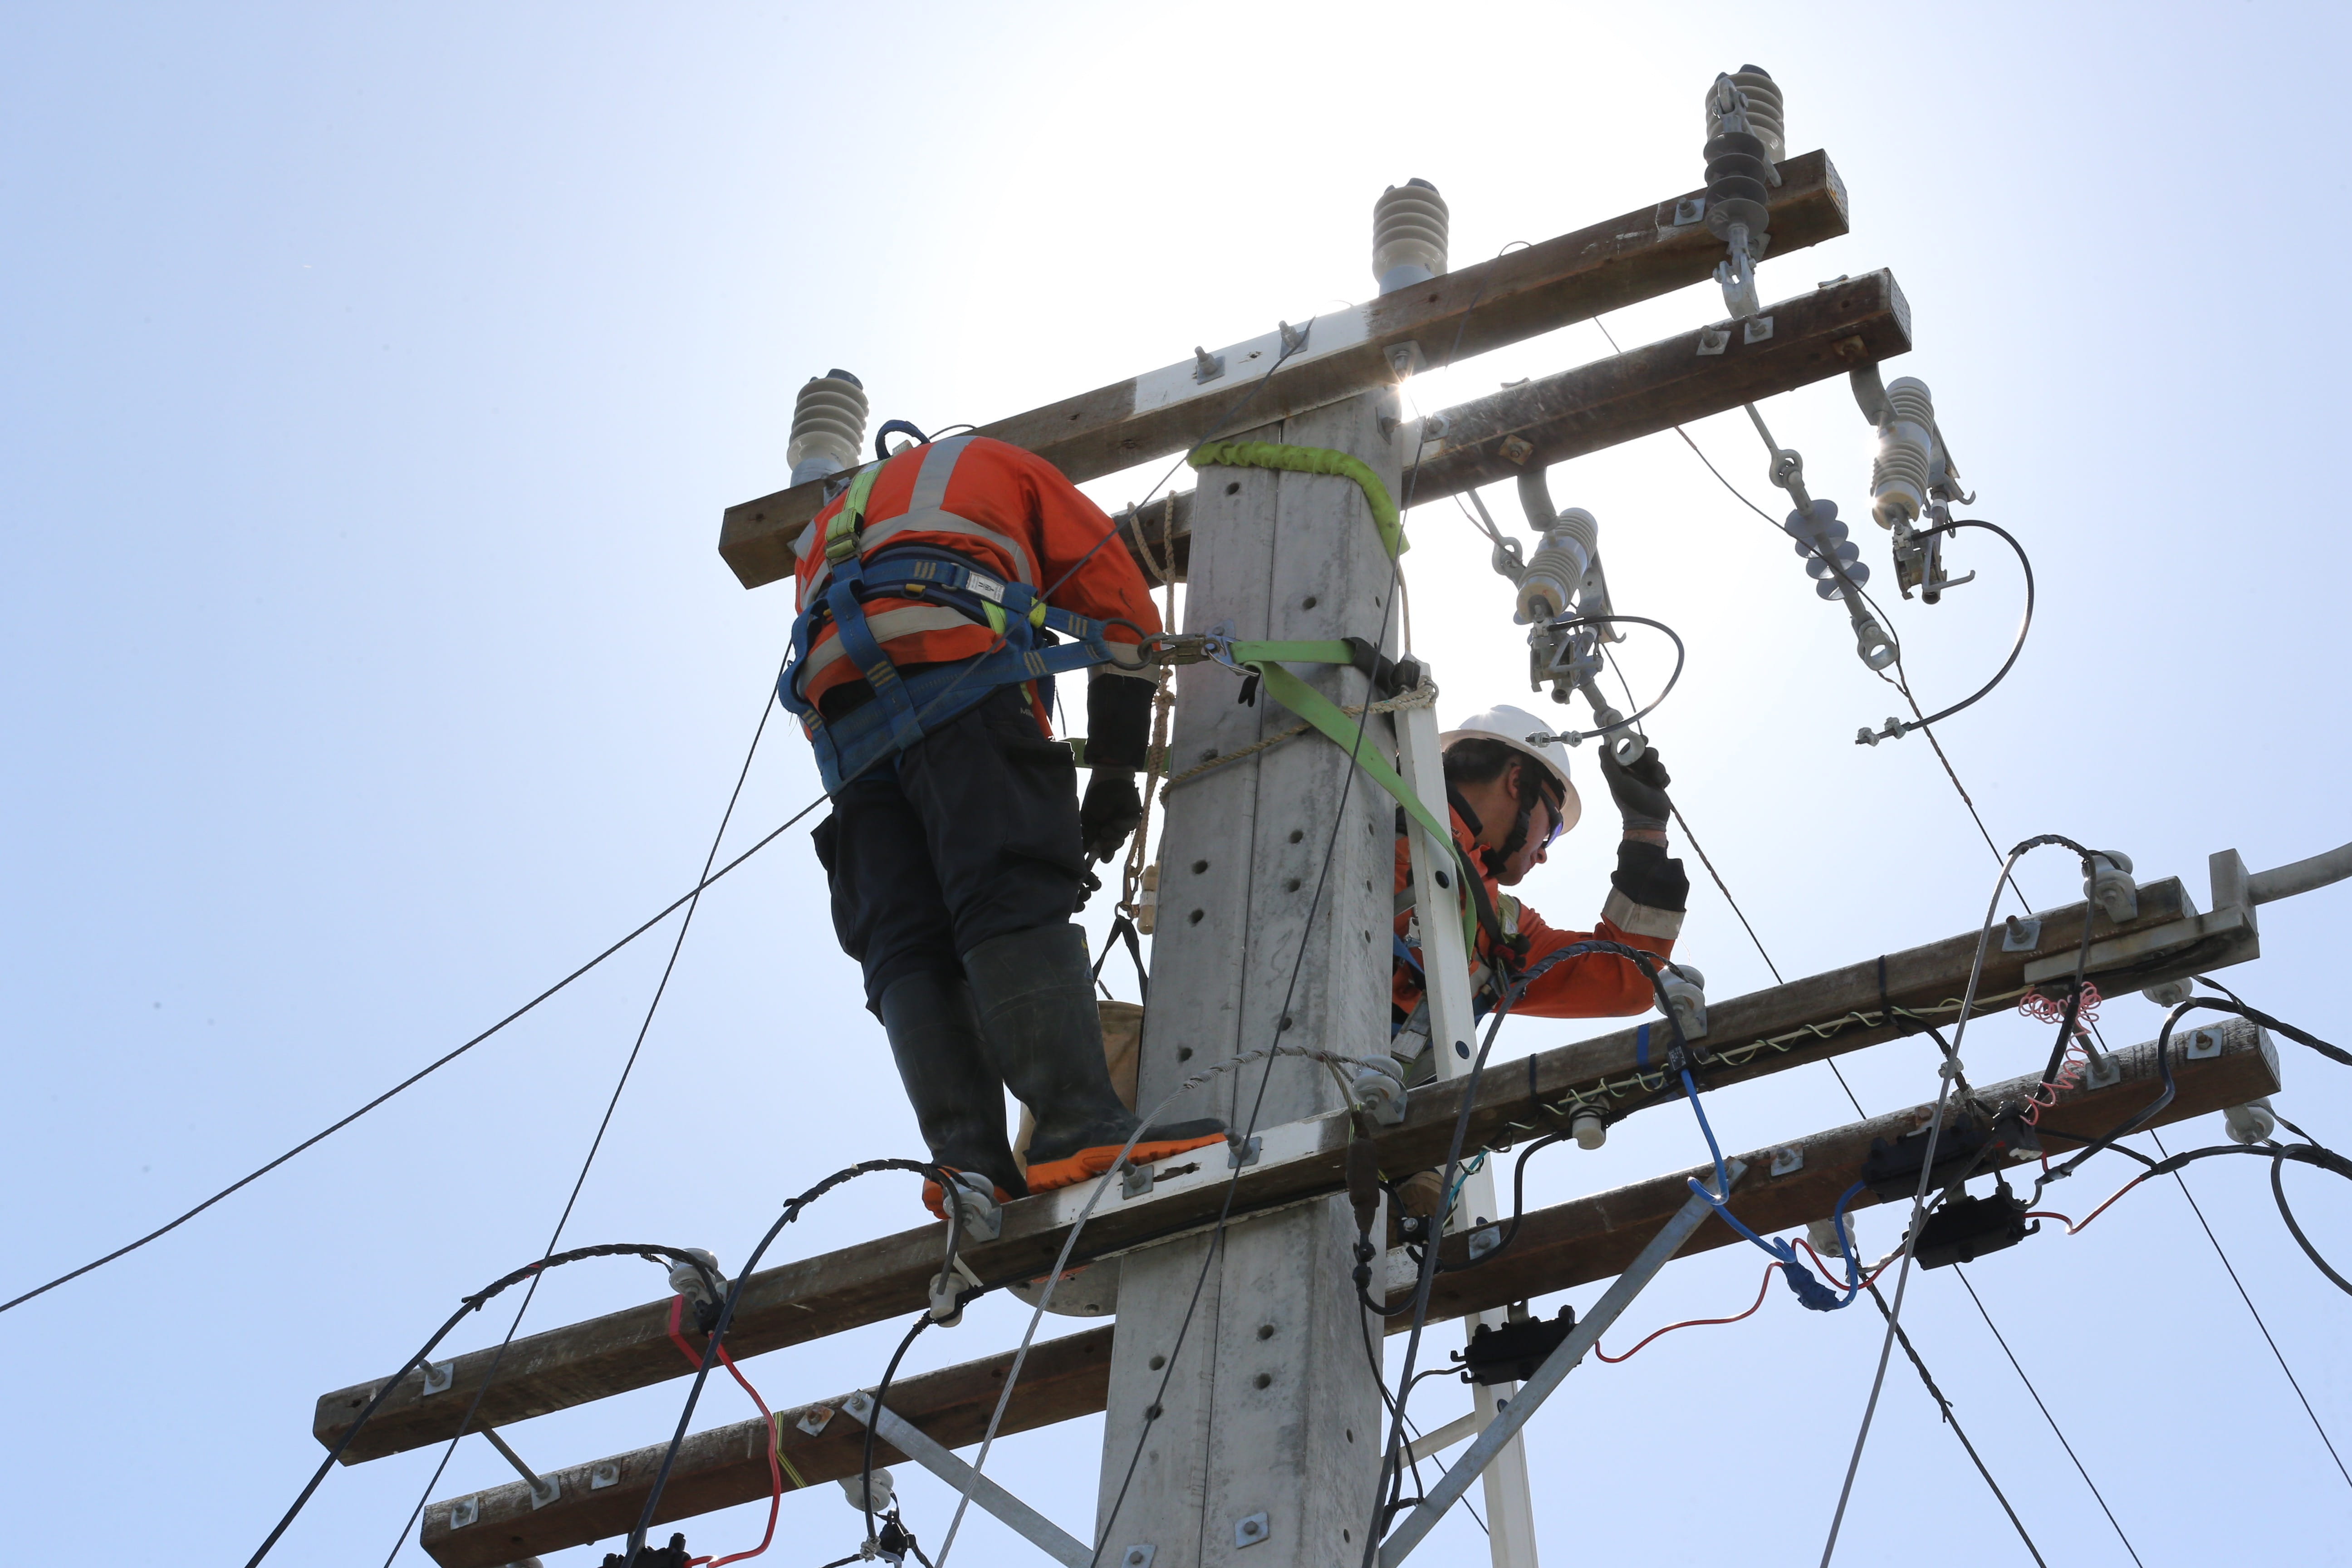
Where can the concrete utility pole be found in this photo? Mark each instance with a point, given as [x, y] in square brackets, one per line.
[1268, 1436]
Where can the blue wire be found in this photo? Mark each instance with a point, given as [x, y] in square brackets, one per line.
[1810, 1291]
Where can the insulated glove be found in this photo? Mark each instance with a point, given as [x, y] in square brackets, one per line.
[1119, 720]
[1113, 809]
[1640, 791]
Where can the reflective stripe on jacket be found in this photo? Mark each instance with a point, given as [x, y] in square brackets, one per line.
[1593, 985]
[1005, 511]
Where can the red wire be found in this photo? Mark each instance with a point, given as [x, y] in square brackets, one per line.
[1833, 1279]
[1694, 1323]
[776, 1471]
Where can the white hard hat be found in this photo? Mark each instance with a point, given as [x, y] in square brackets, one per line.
[1522, 731]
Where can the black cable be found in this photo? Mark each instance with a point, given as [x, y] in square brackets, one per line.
[2255, 1015]
[2024, 625]
[473, 1303]
[734, 1291]
[1570, 623]
[2278, 1191]
[767, 706]
[429, 1069]
[1392, 1472]
[2045, 1414]
[889, 1373]
[1900, 685]
[1953, 1421]
[2230, 1268]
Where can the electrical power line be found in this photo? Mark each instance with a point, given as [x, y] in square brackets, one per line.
[2045, 1412]
[2293, 1382]
[661, 988]
[429, 1069]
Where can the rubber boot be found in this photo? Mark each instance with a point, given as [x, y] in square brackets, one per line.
[1036, 996]
[959, 1099]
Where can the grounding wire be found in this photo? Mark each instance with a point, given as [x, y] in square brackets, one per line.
[2293, 1382]
[2045, 1411]
[767, 706]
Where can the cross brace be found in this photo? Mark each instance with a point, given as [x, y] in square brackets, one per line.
[1840, 327]
[1764, 1032]
[1575, 1243]
[1518, 295]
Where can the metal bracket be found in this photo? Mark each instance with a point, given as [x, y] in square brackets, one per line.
[1788, 1160]
[438, 1376]
[604, 1475]
[1714, 340]
[465, 1511]
[1206, 366]
[1509, 1418]
[1252, 1530]
[2203, 1043]
[1022, 1520]
[1238, 1154]
[2022, 935]
[1294, 338]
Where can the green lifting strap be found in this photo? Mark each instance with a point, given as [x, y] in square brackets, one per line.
[1346, 735]
[1313, 460]
[841, 534]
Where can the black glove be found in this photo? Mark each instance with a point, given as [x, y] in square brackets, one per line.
[1119, 721]
[1640, 791]
[1647, 875]
[1112, 809]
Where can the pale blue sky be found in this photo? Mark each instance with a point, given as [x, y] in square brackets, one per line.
[376, 379]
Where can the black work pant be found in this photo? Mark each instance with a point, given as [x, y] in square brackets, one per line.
[974, 835]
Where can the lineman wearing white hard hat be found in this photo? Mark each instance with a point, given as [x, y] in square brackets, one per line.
[1508, 785]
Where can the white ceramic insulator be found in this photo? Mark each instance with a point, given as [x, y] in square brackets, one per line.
[884, 1490]
[2251, 1122]
[1900, 475]
[1590, 1131]
[1548, 587]
[1764, 115]
[828, 426]
[1408, 226]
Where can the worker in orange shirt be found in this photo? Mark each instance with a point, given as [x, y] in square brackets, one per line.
[1508, 787]
[939, 593]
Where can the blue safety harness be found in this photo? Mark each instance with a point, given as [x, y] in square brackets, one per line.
[860, 566]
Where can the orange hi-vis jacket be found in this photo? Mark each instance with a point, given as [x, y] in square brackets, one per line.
[1005, 511]
[1591, 986]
